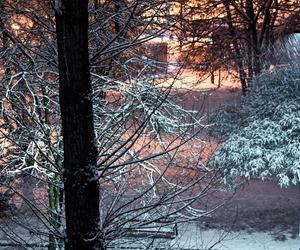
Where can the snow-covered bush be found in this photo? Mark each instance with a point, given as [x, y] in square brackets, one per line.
[263, 130]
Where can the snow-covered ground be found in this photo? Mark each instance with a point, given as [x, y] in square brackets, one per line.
[196, 238]
[260, 216]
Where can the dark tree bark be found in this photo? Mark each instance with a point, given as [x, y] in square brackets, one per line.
[3, 31]
[238, 56]
[80, 154]
[252, 32]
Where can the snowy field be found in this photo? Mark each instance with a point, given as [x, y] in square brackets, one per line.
[261, 216]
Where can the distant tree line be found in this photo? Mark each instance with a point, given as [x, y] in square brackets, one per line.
[239, 34]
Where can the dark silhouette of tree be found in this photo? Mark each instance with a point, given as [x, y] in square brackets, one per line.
[80, 154]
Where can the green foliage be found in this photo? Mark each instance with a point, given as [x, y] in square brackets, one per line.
[263, 130]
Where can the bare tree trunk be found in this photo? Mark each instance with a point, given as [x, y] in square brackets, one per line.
[80, 154]
[252, 31]
[220, 77]
[238, 56]
[96, 4]
[3, 31]
[212, 76]
[249, 52]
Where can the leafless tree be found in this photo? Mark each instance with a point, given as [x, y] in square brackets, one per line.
[145, 169]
